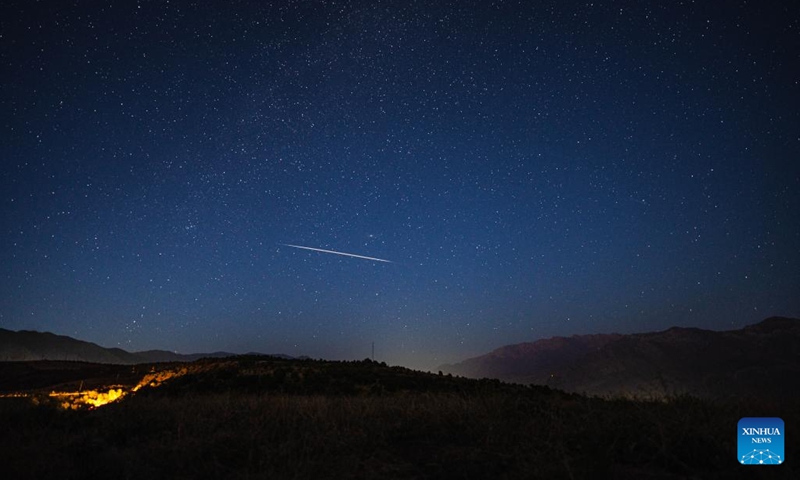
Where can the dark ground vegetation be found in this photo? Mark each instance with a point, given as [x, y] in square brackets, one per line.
[257, 417]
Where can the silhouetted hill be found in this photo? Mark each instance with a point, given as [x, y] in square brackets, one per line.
[267, 417]
[758, 360]
[26, 345]
[29, 345]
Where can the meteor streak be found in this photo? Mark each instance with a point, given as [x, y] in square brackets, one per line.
[338, 253]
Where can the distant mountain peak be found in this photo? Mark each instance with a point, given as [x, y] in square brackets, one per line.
[774, 324]
[28, 345]
[676, 360]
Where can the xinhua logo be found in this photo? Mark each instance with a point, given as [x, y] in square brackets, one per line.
[761, 441]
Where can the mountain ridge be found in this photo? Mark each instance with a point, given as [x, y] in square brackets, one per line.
[31, 345]
[756, 360]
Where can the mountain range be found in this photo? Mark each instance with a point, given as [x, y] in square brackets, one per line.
[760, 360]
[26, 345]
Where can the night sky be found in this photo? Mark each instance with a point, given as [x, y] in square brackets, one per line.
[528, 169]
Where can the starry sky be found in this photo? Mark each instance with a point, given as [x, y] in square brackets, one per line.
[530, 169]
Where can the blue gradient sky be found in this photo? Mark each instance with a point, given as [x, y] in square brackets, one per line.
[531, 168]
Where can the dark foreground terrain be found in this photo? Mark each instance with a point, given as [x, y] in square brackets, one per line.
[261, 417]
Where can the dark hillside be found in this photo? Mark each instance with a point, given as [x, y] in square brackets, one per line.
[263, 417]
[759, 360]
